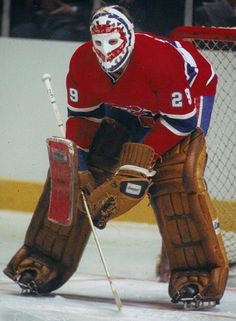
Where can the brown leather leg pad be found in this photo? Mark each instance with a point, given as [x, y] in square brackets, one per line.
[185, 215]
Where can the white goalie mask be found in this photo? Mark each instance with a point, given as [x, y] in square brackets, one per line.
[112, 37]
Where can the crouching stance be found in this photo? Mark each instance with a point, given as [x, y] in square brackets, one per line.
[59, 229]
[55, 241]
[158, 91]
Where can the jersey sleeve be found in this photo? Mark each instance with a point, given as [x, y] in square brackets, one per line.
[177, 114]
[84, 112]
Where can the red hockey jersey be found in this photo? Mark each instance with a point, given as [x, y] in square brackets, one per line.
[158, 89]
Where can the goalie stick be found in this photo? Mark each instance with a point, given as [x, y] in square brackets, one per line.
[46, 78]
[47, 81]
[114, 292]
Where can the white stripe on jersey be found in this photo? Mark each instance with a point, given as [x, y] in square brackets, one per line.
[86, 109]
[199, 121]
[153, 37]
[185, 116]
[84, 149]
[212, 76]
[93, 119]
[172, 129]
[188, 59]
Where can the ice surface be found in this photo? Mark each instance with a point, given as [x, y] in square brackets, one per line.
[130, 251]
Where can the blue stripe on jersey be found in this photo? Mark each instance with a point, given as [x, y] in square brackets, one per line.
[82, 159]
[191, 71]
[182, 125]
[131, 122]
[98, 113]
[127, 119]
[207, 106]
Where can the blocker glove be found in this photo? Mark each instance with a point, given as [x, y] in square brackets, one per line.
[127, 188]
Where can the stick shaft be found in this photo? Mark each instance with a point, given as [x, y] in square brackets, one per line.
[47, 81]
[114, 292]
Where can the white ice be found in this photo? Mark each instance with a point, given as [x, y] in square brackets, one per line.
[130, 252]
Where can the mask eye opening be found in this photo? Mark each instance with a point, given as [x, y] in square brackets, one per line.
[113, 42]
[98, 43]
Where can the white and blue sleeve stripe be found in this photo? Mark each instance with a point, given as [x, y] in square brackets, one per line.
[95, 113]
[181, 125]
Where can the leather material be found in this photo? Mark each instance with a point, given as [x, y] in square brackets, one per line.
[126, 189]
[51, 252]
[187, 219]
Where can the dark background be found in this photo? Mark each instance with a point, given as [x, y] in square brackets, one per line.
[30, 19]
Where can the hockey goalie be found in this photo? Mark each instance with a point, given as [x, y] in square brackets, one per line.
[138, 111]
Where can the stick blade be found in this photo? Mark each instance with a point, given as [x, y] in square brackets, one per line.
[117, 299]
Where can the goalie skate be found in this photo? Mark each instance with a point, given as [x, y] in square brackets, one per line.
[61, 152]
[192, 299]
[27, 283]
